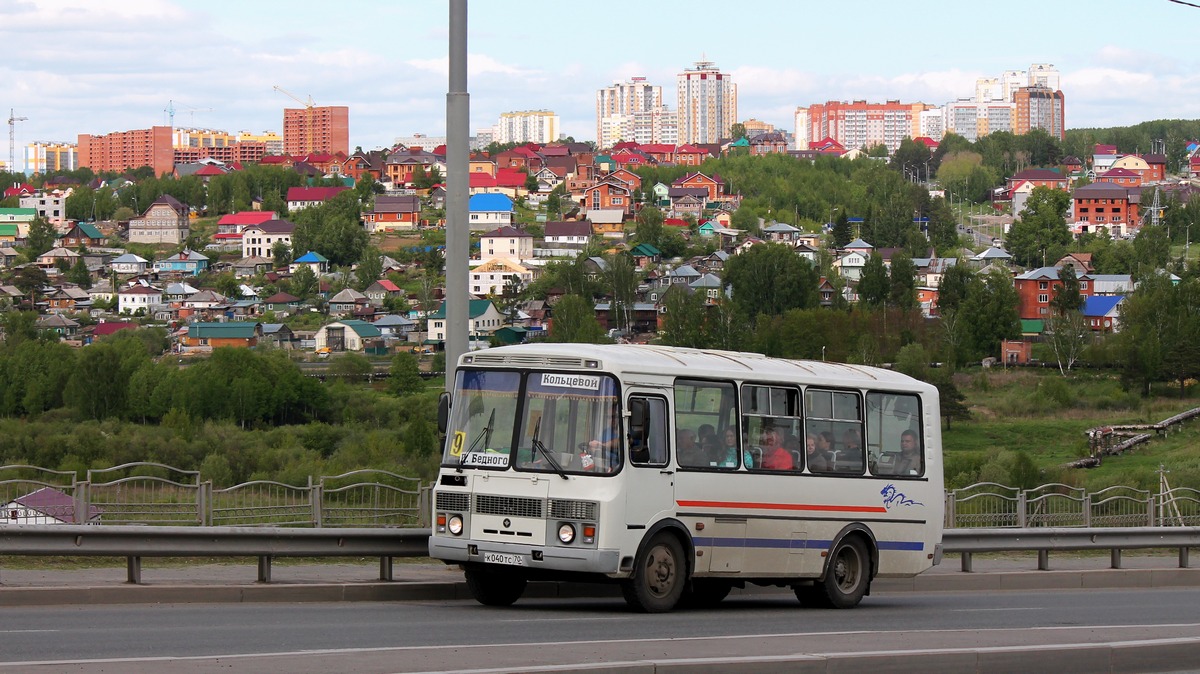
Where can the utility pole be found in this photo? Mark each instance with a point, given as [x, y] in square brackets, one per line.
[12, 139]
[458, 129]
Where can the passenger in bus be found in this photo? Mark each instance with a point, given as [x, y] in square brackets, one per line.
[690, 453]
[728, 456]
[706, 433]
[820, 453]
[909, 461]
[851, 443]
[775, 456]
[710, 449]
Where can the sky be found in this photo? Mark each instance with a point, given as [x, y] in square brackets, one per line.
[97, 66]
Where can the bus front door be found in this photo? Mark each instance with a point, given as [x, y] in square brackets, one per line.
[650, 482]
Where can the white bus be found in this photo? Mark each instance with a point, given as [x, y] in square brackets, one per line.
[682, 473]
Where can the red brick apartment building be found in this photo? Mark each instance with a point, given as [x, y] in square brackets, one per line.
[121, 150]
[316, 129]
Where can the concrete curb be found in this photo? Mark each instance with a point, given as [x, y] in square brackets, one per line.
[217, 591]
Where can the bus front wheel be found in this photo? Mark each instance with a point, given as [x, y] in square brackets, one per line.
[846, 580]
[494, 589]
[659, 576]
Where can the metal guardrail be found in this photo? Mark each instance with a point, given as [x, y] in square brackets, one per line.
[1058, 505]
[265, 543]
[1043, 540]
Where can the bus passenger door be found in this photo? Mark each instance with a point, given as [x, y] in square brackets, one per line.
[649, 482]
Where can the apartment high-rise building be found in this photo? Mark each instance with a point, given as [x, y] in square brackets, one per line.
[1017, 101]
[1039, 107]
[43, 157]
[803, 134]
[861, 124]
[528, 126]
[122, 150]
[628, 111]
[707, 103]
[322, 129]
[272, 142]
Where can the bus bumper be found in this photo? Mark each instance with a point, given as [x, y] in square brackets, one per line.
[528, 557]
[937, 554]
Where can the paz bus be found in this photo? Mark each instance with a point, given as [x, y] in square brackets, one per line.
[683, 473]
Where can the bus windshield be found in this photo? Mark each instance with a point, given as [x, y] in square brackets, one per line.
[564, 423]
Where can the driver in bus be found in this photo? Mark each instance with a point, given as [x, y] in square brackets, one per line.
[909, 461]
[605, 450]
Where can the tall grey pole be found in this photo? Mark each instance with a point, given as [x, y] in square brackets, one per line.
[458, 113]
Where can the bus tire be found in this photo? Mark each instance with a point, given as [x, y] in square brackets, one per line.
[847, 577]
[494, 589]
[659, 576]
[706, 592]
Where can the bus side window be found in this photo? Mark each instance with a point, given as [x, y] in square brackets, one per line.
[648, 431]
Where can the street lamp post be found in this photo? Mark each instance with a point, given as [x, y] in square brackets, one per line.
[832, 209]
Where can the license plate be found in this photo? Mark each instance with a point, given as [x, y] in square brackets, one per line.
[503, 558]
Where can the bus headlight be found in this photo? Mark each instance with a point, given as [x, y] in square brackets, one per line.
[455, 524]
[566, 533]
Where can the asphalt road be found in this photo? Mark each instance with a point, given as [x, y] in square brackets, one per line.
[753, 632]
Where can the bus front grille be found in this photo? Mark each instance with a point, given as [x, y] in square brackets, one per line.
[513, 506]
[460, 501]
[562, 509]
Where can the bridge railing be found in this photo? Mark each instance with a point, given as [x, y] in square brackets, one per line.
[988, 504]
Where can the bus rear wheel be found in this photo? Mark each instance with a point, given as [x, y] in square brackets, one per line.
[659, 576]
[494, 589]
[846, 579]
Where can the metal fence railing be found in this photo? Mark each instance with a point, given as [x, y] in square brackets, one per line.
[147, 493]
[155, 494]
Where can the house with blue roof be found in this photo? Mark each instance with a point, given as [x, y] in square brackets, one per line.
[313, 260]
[489, 211]
[1102, 312]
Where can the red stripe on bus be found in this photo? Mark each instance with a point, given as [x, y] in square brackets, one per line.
[782, 506]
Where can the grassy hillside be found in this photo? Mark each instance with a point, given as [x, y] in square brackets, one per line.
[1043, 415]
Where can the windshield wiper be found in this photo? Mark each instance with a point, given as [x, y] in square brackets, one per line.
[484, 437]
[539, 447]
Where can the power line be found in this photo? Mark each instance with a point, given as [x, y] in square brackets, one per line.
[1185, 2]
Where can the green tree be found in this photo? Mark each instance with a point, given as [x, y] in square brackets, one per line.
[79, 275]
[1067, 297]
[574, 320]
[989, 313]
[369, 269]
[902, 282]
[1152, 249]
[770, 279]
[404, 375]
[737, 130]
[842, 233]
[281, 254]
[1041, 236]
[304, 282]
[99, 382]
[684, 322]
[40, 239]
[650, 226]
[874, 285]
[620, 283]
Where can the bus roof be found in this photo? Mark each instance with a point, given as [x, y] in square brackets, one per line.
[683, 362]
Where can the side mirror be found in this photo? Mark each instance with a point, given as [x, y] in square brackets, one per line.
[443, 414]
[639, 417]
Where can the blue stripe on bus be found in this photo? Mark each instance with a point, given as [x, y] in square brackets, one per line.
[788, 544]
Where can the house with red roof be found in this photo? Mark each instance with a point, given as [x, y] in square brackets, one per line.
[19, 190]
[522, 157]
[609, 195]
[302, 197]
[231, 225]
[363, 163]
[827, 145]
[1120, 176]
[402, 168]
[714, 186]
[277, 160]
[382, 290]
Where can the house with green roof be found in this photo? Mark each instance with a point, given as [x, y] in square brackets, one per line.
[347, 335]
[82, 234]
[21, 217]
[9, 234]
[483, 318]
[205, 336]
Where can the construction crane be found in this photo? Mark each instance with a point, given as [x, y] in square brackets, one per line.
[170, 110]
[308, 106]
[12, 139]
